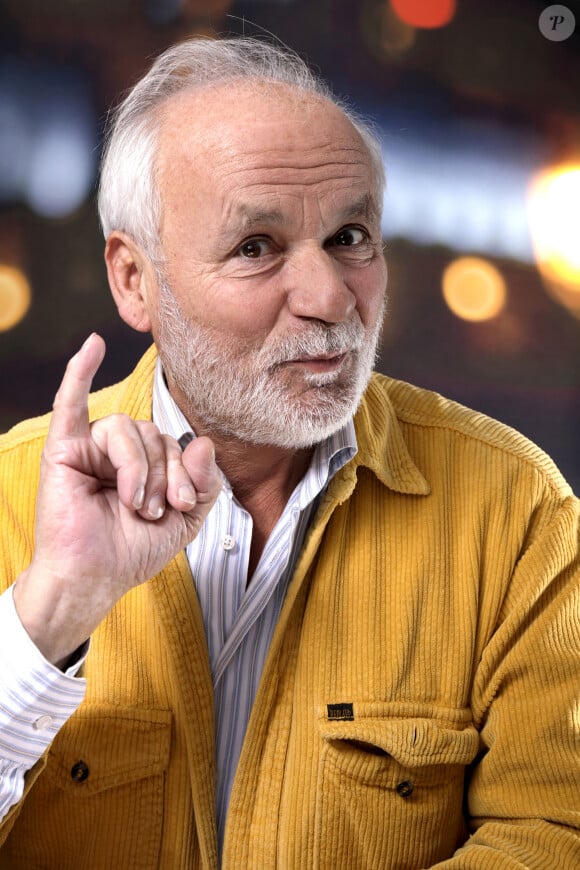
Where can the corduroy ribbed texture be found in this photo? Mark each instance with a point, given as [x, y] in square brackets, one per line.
[430, 639]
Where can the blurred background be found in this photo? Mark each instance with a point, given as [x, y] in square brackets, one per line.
[478, 108]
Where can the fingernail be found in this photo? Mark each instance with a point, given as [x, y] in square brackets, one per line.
[156, 507]
[139, 498]
[187, 494]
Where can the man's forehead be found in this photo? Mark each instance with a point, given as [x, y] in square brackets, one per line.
[257, 112]
[256, 155]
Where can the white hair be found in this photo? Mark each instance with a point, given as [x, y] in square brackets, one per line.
[129, 198]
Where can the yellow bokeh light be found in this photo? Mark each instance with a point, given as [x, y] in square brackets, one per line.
[14, 297]
[554, 214]
[474, 289]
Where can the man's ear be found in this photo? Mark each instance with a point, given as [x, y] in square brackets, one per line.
[131, 280]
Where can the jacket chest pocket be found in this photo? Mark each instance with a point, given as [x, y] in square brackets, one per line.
[99, 802]
[390, 788]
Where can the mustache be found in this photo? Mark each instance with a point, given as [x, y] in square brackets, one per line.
[314, 340]
[311, 340]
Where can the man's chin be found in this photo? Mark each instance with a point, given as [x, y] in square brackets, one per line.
[311, 422]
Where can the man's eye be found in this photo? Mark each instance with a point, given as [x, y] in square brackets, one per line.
[350, 236]
[254, 248]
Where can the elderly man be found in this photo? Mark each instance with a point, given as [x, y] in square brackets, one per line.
[333, 618]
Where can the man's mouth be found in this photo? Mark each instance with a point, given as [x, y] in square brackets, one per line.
[320, 363]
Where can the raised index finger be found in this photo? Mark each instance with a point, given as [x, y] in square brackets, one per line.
[70, 416]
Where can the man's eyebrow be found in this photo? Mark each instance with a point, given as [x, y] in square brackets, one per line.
[253, 217]
[245, 220]
[365, 207]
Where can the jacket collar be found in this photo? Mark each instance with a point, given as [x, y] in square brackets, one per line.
[381, 445]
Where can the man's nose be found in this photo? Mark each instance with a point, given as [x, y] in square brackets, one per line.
[316, 288]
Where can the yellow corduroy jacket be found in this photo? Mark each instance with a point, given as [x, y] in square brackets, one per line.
[420, 706]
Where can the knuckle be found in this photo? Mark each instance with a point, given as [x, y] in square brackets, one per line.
[172, 451]
[114, 422]
[171, 445]
[121, 420]
[148, 429]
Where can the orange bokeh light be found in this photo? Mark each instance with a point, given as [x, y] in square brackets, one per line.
[14, 297]
[425, 13]
[474, 289]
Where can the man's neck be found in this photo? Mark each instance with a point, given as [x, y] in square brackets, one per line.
[260, 475]
[262, 478]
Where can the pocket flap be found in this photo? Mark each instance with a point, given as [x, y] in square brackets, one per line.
[413, 741]
[103, 746]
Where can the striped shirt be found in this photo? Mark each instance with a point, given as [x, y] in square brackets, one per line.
[239, 619]
[36, 698]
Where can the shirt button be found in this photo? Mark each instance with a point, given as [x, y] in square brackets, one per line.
[405, 788]
[228, 543]
[79, 771]
[42, 723]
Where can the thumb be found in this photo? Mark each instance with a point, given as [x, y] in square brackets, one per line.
[199, 462]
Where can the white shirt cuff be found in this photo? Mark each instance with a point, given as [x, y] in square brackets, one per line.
[36, 698]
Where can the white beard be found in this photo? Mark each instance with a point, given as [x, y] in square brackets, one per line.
[243, 394]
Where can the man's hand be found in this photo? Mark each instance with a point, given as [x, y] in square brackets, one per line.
[117, 500]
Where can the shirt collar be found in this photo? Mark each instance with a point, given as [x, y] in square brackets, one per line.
[166, 414]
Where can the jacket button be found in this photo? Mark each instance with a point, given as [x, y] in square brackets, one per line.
[79, 771]
[405, 788]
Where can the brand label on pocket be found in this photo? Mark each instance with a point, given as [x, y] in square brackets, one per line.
[340, 711]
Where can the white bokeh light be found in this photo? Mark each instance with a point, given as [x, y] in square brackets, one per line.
[465, 195]
[48, 137]
[60, 171]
